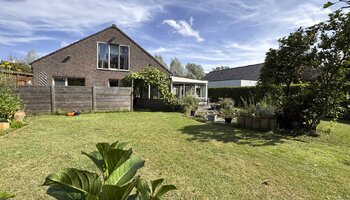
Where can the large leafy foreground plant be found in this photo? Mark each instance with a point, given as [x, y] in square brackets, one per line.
[118, 182]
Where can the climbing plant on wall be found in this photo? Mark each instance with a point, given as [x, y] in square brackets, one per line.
[155, 78]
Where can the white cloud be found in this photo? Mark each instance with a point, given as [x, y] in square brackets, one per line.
[30, 18]
[184, 28]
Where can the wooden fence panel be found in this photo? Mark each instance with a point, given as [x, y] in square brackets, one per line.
[49, 99]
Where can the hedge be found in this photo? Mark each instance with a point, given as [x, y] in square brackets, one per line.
[236, 93]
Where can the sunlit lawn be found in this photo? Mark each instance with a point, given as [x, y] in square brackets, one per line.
[204, 161]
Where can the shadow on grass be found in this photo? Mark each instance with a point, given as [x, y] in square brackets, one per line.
[228, 133]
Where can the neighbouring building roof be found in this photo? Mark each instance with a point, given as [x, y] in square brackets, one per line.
[249, 72]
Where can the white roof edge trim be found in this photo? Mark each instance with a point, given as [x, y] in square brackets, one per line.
[177, 79]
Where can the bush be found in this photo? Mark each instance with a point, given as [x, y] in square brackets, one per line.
[17, 124]
[9, 104]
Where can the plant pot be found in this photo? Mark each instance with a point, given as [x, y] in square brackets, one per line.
[69, 114]
[228, 120]
[240, 120]
[193, 112]
[264, 124]
[248, 122]
[4, 126]
[19, 116]
[255, 123]
[212, 118]
[272, 124]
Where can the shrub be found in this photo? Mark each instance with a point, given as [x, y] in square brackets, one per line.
[118, 168]
[9, 104]
[17, 124]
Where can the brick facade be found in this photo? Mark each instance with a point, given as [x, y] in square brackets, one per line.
[79, 60]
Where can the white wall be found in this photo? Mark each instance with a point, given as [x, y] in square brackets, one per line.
[232, 83]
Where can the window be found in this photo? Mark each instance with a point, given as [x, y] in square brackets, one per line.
[103, 56]
[113, 83]
[59, 81]
[114, 57]
[76, 81]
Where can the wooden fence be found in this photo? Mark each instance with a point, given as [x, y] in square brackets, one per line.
[50, 99]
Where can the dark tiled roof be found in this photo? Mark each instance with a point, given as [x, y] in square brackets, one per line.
[249, 72]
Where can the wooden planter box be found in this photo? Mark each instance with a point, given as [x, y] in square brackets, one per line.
[263, 124]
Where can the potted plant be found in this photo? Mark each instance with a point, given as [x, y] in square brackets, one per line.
[227, 111]
[190, 104]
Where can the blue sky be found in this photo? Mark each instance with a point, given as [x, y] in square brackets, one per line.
[211, 33]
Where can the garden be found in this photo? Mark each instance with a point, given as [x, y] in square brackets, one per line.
[287, 138]
[203, 160]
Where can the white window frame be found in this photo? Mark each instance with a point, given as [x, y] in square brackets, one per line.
[109, 59]
[65, 81]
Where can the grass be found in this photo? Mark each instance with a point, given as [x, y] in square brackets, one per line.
[205, 161]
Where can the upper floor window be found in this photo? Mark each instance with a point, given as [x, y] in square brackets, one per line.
[113, 56]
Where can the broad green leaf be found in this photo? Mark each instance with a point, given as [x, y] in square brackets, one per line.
[119, 145]
[97, 158]
[155, 184]
[73, 181]
[116, 157]
[143, 189]
[125, 172]
[328, 4]
[5, 195]
[113, 192]
[164, 189]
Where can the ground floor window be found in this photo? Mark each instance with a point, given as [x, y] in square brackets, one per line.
[65, 81]
[113, 83]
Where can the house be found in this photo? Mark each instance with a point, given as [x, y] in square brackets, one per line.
[102, 59]
[238, 76]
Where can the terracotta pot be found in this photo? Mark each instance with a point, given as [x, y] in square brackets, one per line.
[264, 124]
[240, 120]
[4, 126]
[255, 123]
[70, 114]
[19, 116]
[248, 122]
[228, 120]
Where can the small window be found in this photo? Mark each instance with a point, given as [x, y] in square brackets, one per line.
[103, 56]
[124, 57]
[113, 83]
[76, 81]
[59, 81]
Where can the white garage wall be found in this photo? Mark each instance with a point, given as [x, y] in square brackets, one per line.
[231, 83]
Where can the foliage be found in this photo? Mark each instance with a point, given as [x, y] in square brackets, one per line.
[17, 124]
[118, 168]
[234, 93]
[177, 68]
[5, 195]
[190, 103]
[219, 68]
[323, 49]
[227, 103]
[161, 60]
[155, 78]
[329, 4]
[194, 71]
[266, 108]
[9, 104]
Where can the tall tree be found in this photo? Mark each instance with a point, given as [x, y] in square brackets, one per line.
[160, 59]
[30, 57]
[220, 68]
[329, 3]
[177, 68]
[194, 71]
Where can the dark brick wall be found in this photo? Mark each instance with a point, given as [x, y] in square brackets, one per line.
[83, 60]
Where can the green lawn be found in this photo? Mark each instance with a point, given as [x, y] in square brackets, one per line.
[204, 161]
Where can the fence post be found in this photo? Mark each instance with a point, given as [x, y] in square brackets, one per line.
[53, 101]
[93, 98]
[132, 96]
